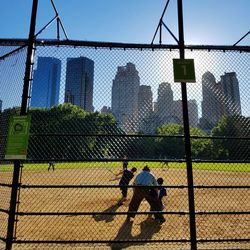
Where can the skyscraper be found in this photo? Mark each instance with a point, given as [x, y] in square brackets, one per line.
[145, 106]
[145, 101]
[230, 90]
[192, 112]
[46, 82]
[211, 106]
[80, 82]
[164, 107]
[125, 90]
[219, 98]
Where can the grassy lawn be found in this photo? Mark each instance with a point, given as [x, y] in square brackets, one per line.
[232, 167]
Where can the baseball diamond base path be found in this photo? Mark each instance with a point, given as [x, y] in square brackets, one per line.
[113, 227]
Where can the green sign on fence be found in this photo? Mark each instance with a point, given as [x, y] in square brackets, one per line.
[184, 70]
[17, 140]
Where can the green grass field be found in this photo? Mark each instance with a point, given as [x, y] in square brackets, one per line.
[232, 167]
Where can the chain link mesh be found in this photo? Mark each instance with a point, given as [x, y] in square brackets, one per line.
[91, 107]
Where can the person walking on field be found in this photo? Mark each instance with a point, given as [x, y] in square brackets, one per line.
[146, 188]
[51, 165]
[127, 176]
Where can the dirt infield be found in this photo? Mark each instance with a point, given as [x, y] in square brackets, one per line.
[113, 227]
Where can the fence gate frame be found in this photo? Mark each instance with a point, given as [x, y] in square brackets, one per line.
[32, 41]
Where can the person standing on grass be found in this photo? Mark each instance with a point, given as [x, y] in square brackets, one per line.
[51, 165]
[146, 188]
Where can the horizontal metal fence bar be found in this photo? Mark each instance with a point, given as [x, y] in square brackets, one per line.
[131, 212]
[141, 46]
[106, 135]
[220, 161]
[3, 239]
[5, 185]
[137, 136]
[94, 44]
[140, 136]
[223, 187]
[126, 241]
[223, 240]
[130, 186]
[13, 42]
[220, 138]
[92, 186]
[96, 213]
[221, 213]
[218, 48]
[58, 160]
[4, 211]
[97, 241]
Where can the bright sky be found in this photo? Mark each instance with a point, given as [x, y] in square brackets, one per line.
[220, 22]
[206, 22]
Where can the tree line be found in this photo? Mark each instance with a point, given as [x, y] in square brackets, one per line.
[67, 132]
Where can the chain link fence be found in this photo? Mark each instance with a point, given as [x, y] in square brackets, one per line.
[93, 108]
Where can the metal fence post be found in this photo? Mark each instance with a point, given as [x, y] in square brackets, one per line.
[29, 59]
[25, 96]
[13, 203]
[187, 135]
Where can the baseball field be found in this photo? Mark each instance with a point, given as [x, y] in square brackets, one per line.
[76, 190]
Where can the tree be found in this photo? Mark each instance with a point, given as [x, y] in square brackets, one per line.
[235, 142]
[4, 124]
[68, 132]
[171, 144]
[142, 147]
[200, 146]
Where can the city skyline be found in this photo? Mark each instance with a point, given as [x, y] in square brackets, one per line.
[152, 83]
[120, 68]
[218, 99]
[130, 27]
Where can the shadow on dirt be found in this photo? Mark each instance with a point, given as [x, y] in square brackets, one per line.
[107, 217]
[124, 235]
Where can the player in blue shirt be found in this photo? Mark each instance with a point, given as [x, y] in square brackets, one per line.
[162, 191]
